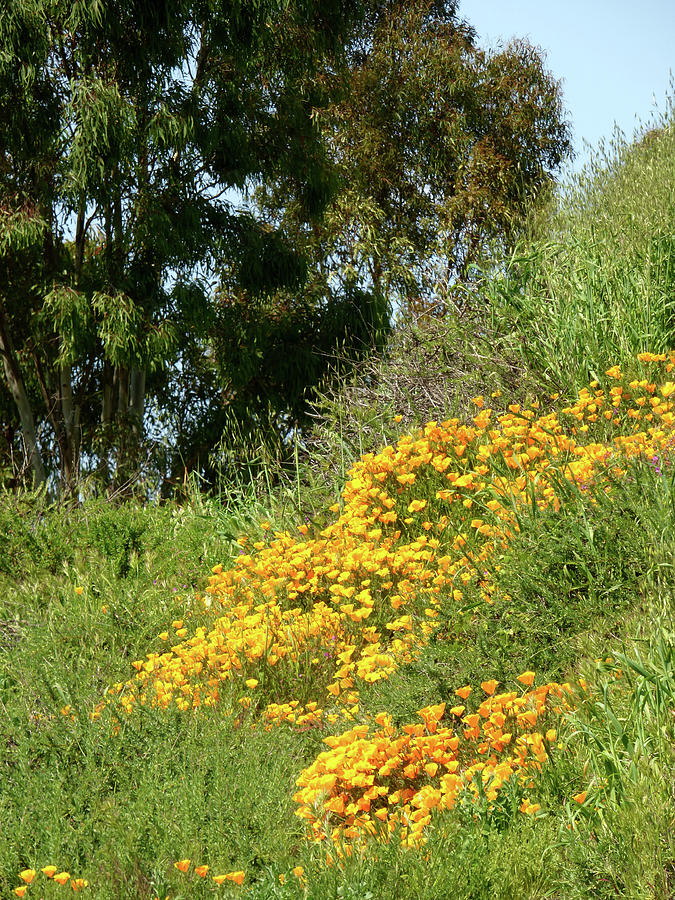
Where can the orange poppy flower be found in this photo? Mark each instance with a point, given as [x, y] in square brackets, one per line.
[489, 686]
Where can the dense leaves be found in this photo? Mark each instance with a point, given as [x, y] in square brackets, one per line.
[441, 149]
[123, 127]
[381, 155]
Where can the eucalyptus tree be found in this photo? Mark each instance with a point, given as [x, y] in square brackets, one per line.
[123, 125]
[440, 148]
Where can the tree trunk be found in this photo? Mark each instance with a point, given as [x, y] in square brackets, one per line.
[18, 390]
[108, 392]
[69, 462]
[137, 398]
[123, 395]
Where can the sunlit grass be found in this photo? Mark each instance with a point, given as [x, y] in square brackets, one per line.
[465, 566]
[453, 677]
[593, 285]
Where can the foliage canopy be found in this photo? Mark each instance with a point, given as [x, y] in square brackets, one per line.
[122, 128]
[440, 148]
[382, 154]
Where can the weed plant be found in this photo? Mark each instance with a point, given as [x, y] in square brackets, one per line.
[594, 284]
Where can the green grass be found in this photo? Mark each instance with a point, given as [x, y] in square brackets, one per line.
[591, 582]
[594, 284]
[119, 809]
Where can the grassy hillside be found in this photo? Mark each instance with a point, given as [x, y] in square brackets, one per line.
[595, 283]
[441, 664]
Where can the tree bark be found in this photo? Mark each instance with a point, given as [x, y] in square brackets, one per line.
[17, 388]
[68, 416]
[123, 394]
[108, 391]
[137, 398]
[51, 393]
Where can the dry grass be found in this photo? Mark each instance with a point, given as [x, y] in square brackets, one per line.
[430, 371]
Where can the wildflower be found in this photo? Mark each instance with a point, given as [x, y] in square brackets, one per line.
[62, 878]
[360, 565]
[49, 871]
[21, 890]
[529, 808]
[298, 871]
[27, 875]
[580, 797]
[182, 865]
[79, 590]
[201, 871]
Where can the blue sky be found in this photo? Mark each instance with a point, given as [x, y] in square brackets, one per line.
[614, 58]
